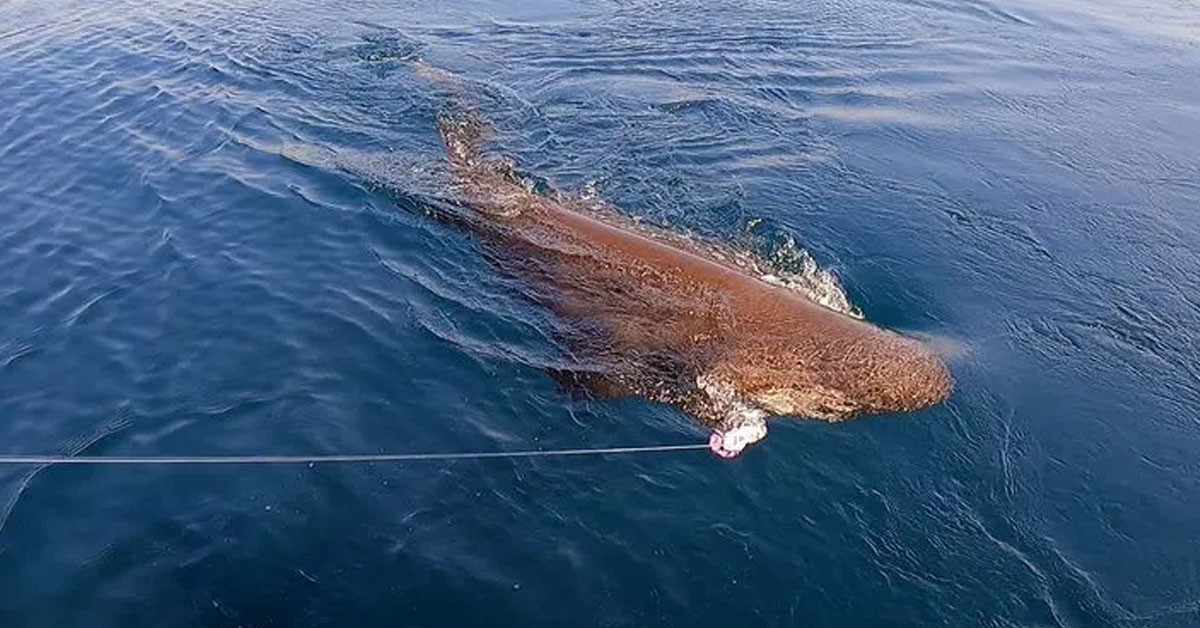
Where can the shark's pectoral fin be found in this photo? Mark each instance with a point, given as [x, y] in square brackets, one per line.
[590, 384]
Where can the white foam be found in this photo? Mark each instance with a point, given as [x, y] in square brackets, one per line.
[794, 268]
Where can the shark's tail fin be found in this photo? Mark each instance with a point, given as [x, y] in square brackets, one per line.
[463, 133]
[462, 129]
[442, 79]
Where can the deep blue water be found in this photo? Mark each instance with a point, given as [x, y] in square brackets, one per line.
[212, 242]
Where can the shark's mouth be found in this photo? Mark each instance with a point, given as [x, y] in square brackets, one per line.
[728, 443]
[743, 425]
[739, 423]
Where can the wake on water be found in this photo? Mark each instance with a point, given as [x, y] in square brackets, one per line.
[424, 176]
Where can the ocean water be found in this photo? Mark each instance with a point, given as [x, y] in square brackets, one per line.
[214, 239]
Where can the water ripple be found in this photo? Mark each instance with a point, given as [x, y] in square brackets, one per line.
[215, 237]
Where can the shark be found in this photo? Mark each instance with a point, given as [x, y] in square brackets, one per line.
[665, 317]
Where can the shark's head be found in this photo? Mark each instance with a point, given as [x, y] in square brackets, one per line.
[886, 374]
[898, 376]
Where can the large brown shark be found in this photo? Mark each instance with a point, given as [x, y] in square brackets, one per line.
[672, 320]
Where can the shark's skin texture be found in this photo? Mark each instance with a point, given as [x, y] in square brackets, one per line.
[659, 318]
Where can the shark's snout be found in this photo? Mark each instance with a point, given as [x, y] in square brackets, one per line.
[918, 381]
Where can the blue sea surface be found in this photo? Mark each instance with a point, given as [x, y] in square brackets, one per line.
[215, 240]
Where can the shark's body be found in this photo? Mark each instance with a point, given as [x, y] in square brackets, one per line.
[660, 318]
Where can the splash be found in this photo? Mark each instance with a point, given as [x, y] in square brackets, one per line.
[793, 267]
[781, 262]
[785, 264]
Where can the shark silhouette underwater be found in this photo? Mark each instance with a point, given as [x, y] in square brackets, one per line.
[663, 317]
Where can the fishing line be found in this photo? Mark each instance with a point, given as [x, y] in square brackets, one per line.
[36, 459]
